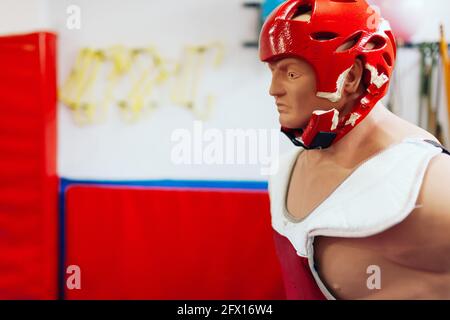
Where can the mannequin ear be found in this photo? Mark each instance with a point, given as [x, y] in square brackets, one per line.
[354, 77]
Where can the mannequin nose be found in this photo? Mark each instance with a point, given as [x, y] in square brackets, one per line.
[275, 89]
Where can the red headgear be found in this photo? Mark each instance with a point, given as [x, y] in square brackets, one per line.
[330, 35]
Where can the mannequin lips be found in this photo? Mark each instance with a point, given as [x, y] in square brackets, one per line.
[281, 107]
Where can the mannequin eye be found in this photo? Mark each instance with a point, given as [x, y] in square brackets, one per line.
[292, 75]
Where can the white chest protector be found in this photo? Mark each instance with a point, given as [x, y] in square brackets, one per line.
[379, 194]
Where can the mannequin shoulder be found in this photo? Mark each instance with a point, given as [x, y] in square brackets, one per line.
[423, 238]
[401, 128]
[434, 194]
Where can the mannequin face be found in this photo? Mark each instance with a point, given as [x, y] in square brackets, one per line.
[294, 89]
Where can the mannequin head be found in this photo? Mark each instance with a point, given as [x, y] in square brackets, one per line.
[294, 88]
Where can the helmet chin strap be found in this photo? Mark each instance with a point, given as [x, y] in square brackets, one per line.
[324, 127]
[322, 140]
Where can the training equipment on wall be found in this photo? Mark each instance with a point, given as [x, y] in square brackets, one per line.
[446, 69]
[77, 91]
[429, 89]
[99, 77]
[148, 70]
[188, 78]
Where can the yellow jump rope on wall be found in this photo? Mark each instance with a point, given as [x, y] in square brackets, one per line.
[145, 69]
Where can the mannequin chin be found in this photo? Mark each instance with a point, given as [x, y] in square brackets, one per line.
[286, 121]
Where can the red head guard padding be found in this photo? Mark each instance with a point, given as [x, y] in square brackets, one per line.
[330, 35]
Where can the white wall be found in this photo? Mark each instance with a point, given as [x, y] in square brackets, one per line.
[435, 12]
[18, 16]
